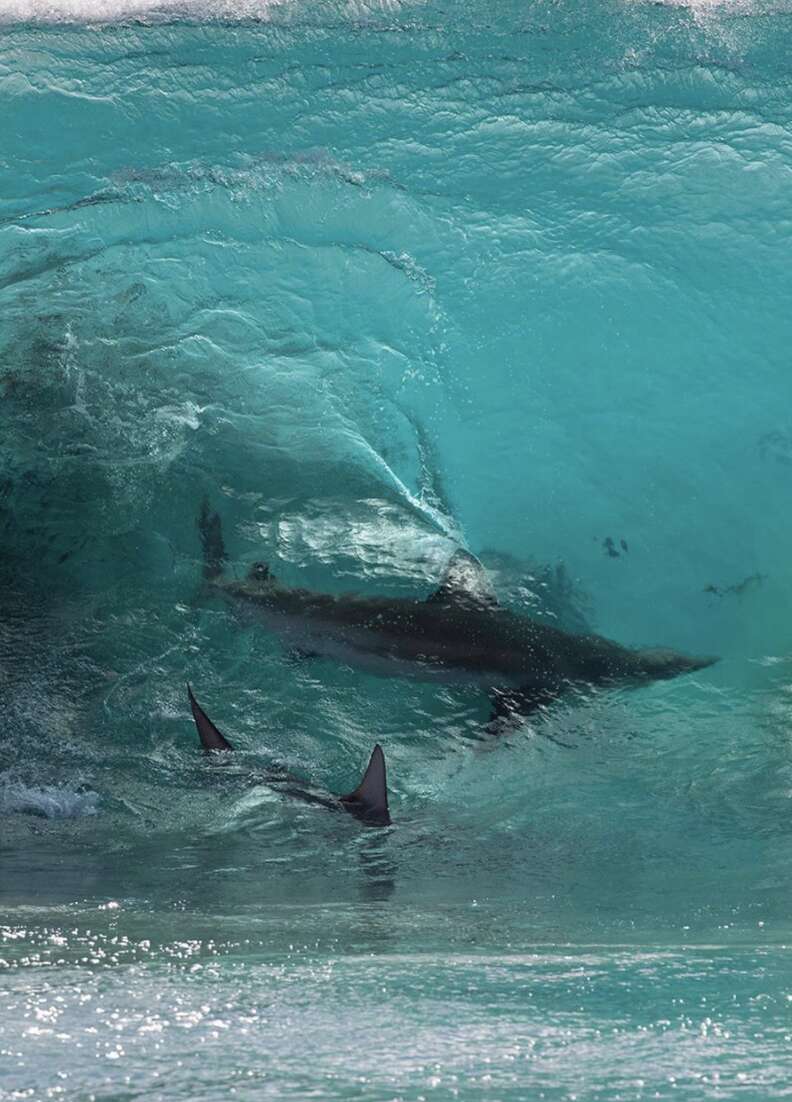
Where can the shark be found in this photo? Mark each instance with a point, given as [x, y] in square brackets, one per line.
[460, 633]
[368, 802]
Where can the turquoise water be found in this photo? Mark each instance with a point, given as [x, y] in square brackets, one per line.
[383, 281]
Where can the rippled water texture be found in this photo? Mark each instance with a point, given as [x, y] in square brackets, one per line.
[383, 282]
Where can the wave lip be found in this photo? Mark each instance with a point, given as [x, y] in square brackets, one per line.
[48, 801]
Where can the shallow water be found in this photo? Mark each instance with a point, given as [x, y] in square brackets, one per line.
[384, 281]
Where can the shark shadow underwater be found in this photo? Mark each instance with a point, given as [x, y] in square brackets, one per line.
[368, 802]
[459, 634]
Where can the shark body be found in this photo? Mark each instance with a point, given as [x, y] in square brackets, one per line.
[459, 634]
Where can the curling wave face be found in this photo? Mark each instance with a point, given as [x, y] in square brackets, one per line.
[385, 282]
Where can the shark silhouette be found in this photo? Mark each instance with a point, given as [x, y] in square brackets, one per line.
[459, 633]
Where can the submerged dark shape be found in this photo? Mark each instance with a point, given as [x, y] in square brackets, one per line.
[368, 802]
[211, 532]
[460, 633]
[776, 446]
[738, 588]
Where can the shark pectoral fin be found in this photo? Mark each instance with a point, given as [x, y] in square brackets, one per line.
[511, 703]
[465, 581]
[211, 738]
[211, 531]
[509, 706]
[369, 801]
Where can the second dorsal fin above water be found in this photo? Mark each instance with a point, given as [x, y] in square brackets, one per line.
[465, 581]
[369, 801]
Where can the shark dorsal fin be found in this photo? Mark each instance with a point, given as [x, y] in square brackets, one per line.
[369, 801]
[465, 582]
[211, 738]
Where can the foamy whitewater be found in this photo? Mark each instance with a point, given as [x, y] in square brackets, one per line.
[383, 281]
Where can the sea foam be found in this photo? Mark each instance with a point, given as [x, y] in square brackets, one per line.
[47, 801]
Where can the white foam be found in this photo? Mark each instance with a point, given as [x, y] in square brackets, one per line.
[116, 11]
[154, 11]
[48, 801]
[719, 8]
[113, 11]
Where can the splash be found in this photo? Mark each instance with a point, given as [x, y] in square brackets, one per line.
[47, 801]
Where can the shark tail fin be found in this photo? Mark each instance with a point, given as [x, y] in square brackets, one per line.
[369, 801]
[210, 529]
[211, 738]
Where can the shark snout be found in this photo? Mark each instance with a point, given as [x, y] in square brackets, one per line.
[659, 662]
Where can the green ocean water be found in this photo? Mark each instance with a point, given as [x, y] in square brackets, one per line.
[382, 282]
